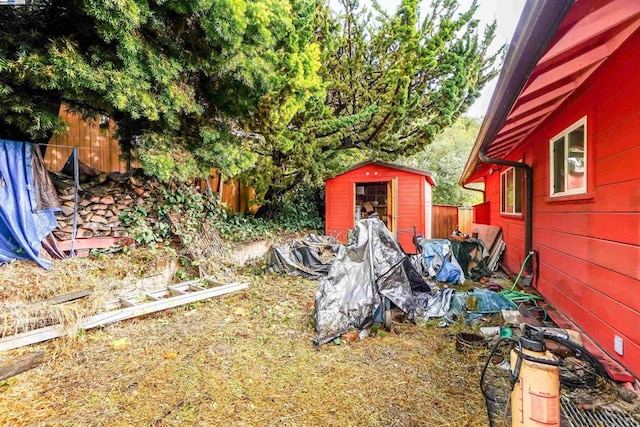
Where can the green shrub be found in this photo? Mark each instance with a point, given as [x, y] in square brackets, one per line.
[182, 210]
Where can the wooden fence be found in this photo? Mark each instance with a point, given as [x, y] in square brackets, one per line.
[98, 148]
[445, 218]
[96, 142]
[236, 196]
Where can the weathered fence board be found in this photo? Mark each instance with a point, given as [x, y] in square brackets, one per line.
[446, 218]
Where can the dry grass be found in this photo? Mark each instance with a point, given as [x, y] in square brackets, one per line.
[24, 286]
[243, 359]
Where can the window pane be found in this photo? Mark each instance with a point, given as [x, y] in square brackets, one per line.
[509, 190]
[517, 187]
[558, 166]
[575, 159]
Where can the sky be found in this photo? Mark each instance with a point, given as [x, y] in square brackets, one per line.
[505, 12]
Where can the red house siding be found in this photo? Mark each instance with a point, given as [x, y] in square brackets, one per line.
[482, 214]
[413, 202]
[589, 246]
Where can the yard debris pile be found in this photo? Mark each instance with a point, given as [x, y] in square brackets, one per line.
[205, 248]
[102, 198]
[310, 257]
[439, 262]
[363, 273]
[373, 268]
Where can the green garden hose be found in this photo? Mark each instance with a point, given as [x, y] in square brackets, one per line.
[516, 297]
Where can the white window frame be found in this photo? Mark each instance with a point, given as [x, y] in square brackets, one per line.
[504, 187]
[565, 136]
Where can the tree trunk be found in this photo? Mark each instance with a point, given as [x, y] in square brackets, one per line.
[267, 209]
[274, 196]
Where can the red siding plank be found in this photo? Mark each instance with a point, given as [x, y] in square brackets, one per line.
[616, 227]
[619, 167]
[618, 257]
[618, 316]
[623, 289]
[594, 325]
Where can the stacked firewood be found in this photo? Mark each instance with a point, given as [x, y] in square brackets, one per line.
[101, 201]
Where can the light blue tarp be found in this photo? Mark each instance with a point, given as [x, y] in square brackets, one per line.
[22, 227]
[439, 261]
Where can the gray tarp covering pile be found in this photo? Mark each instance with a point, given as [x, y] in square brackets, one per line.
[373, 265]
[433, 305]
[310, 257]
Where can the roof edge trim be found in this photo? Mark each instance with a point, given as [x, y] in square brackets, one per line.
[536, 28]
[427, 174]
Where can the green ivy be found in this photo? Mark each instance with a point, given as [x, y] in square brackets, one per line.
[185, 202]
[140, 229]
[298, 211]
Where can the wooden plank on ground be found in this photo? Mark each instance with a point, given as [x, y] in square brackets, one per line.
[55, 331]
[21, 364]
[615, 370]
[71, 296]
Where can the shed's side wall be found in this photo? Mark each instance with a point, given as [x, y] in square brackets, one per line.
[590, 247]
[340, 197]
[339, 215]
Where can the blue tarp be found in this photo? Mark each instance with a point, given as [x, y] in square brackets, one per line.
[22, 227]
[440, 262]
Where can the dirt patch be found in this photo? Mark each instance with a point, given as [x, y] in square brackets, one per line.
[243, 359]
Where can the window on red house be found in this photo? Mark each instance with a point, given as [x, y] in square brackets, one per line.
[568, 168]
[511, 191]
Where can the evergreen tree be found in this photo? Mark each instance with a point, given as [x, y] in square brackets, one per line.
[393, 83]
[184, 79]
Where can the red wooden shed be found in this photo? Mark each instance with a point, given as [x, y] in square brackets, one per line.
[558, 152]
[400, 196]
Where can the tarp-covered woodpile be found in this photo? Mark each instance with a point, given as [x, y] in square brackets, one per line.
[310, 257]
[28, 203]
[372, 267]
